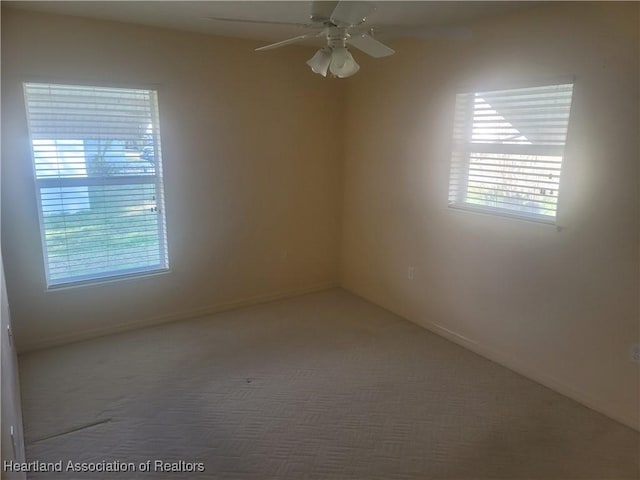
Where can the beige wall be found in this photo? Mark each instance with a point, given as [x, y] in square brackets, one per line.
[559, 306]
[11, 411]
[11, 430]
[253, 154]
[252, 184]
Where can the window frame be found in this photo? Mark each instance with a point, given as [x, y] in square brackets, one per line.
[158, 182]
[461, 203]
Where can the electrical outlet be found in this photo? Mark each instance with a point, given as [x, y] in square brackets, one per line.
[634, 353]
[411, 273]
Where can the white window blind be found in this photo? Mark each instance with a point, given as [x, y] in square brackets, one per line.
[508, 150]
[98, 174]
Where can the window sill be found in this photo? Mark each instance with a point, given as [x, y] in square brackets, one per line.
[494, 212]
[98, 282]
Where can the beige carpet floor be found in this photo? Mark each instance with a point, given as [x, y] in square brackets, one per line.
[322, 386]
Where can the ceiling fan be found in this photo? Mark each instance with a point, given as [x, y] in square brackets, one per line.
[341, 24]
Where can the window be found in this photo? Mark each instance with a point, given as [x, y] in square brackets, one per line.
[98, 174]
[508, 149]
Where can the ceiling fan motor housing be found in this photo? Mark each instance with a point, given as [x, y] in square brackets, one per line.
[337, 37]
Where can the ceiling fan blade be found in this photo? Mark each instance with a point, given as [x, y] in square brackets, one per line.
[321, 10]
[288, 41]
[370, 45]
[263, 22]
[349, 13]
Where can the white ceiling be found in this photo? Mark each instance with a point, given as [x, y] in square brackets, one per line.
[192, 16]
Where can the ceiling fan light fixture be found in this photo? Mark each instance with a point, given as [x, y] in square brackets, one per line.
[319, 63]
[342, 63]
[339, 57]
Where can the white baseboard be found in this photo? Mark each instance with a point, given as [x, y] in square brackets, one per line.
[172, 317]
[504, 360]
[531, 373]
[513, 364]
